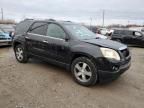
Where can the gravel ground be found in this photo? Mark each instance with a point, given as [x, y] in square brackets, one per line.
[41, 85]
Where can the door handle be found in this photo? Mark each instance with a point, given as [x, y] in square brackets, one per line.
[45, 41]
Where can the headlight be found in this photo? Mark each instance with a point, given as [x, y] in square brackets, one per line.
[110, 53]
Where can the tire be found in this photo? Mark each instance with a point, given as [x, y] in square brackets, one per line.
[84, 71]
[20, 54]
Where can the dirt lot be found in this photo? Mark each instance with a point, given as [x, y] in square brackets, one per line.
[41, 85]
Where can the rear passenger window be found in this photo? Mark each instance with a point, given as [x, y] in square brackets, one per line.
[122, 32]
[55, 31]
[129, 33]
[39, 28]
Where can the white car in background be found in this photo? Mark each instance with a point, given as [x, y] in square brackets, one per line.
[101, 36]
[105, 31]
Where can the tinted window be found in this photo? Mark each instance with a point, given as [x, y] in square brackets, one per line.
[116, 32]
[23, 26]
[39, 28]
[55, 31]
[122, 32]
[128, 33]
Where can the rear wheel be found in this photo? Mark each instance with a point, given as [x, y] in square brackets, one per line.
[84, 71]
[20, 54]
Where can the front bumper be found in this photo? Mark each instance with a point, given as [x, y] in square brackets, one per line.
[5, 42]
[109, 74]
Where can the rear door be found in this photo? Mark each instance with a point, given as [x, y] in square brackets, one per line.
[138, 38]
[128, 37]
[35, 38]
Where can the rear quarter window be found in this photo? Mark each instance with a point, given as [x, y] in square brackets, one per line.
[23, 27]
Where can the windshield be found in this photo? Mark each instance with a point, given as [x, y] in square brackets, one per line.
[80, 32]
[2, 36]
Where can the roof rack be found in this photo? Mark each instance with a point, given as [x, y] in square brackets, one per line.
[51, 19]
[28, 19]
[67, 21]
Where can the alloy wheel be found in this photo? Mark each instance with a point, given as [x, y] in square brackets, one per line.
[82, 72]
[19, 54]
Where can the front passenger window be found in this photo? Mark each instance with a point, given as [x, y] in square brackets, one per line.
[55, 31]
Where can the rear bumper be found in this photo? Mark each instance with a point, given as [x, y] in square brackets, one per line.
[109, 75]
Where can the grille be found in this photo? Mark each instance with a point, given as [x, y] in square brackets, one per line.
[125, 53]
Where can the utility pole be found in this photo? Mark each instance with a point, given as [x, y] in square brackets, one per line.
[128, 22]
[2, 13]
[103, 15]
[90, 23]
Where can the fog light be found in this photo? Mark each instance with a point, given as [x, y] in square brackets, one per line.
[115, 68]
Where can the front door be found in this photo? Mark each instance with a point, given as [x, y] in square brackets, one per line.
[128, 37]
[56, 43]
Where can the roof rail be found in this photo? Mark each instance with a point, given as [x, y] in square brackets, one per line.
[51, 19]
[67, 21]
[28, 19]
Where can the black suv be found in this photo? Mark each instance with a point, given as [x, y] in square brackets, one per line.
[129, 37]
[73, 46]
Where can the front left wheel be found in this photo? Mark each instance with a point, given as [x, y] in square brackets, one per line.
[20, 54]
[84, 71]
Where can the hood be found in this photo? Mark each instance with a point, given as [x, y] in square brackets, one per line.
[106, 43]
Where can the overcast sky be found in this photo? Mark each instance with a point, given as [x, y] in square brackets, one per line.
[116, 11]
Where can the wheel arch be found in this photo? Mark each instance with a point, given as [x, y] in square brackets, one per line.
[16, 43]
[79, 54]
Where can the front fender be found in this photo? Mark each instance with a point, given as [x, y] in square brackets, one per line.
[88, 50]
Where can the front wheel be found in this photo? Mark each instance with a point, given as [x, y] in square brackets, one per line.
[20, 54]
[84, 71]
